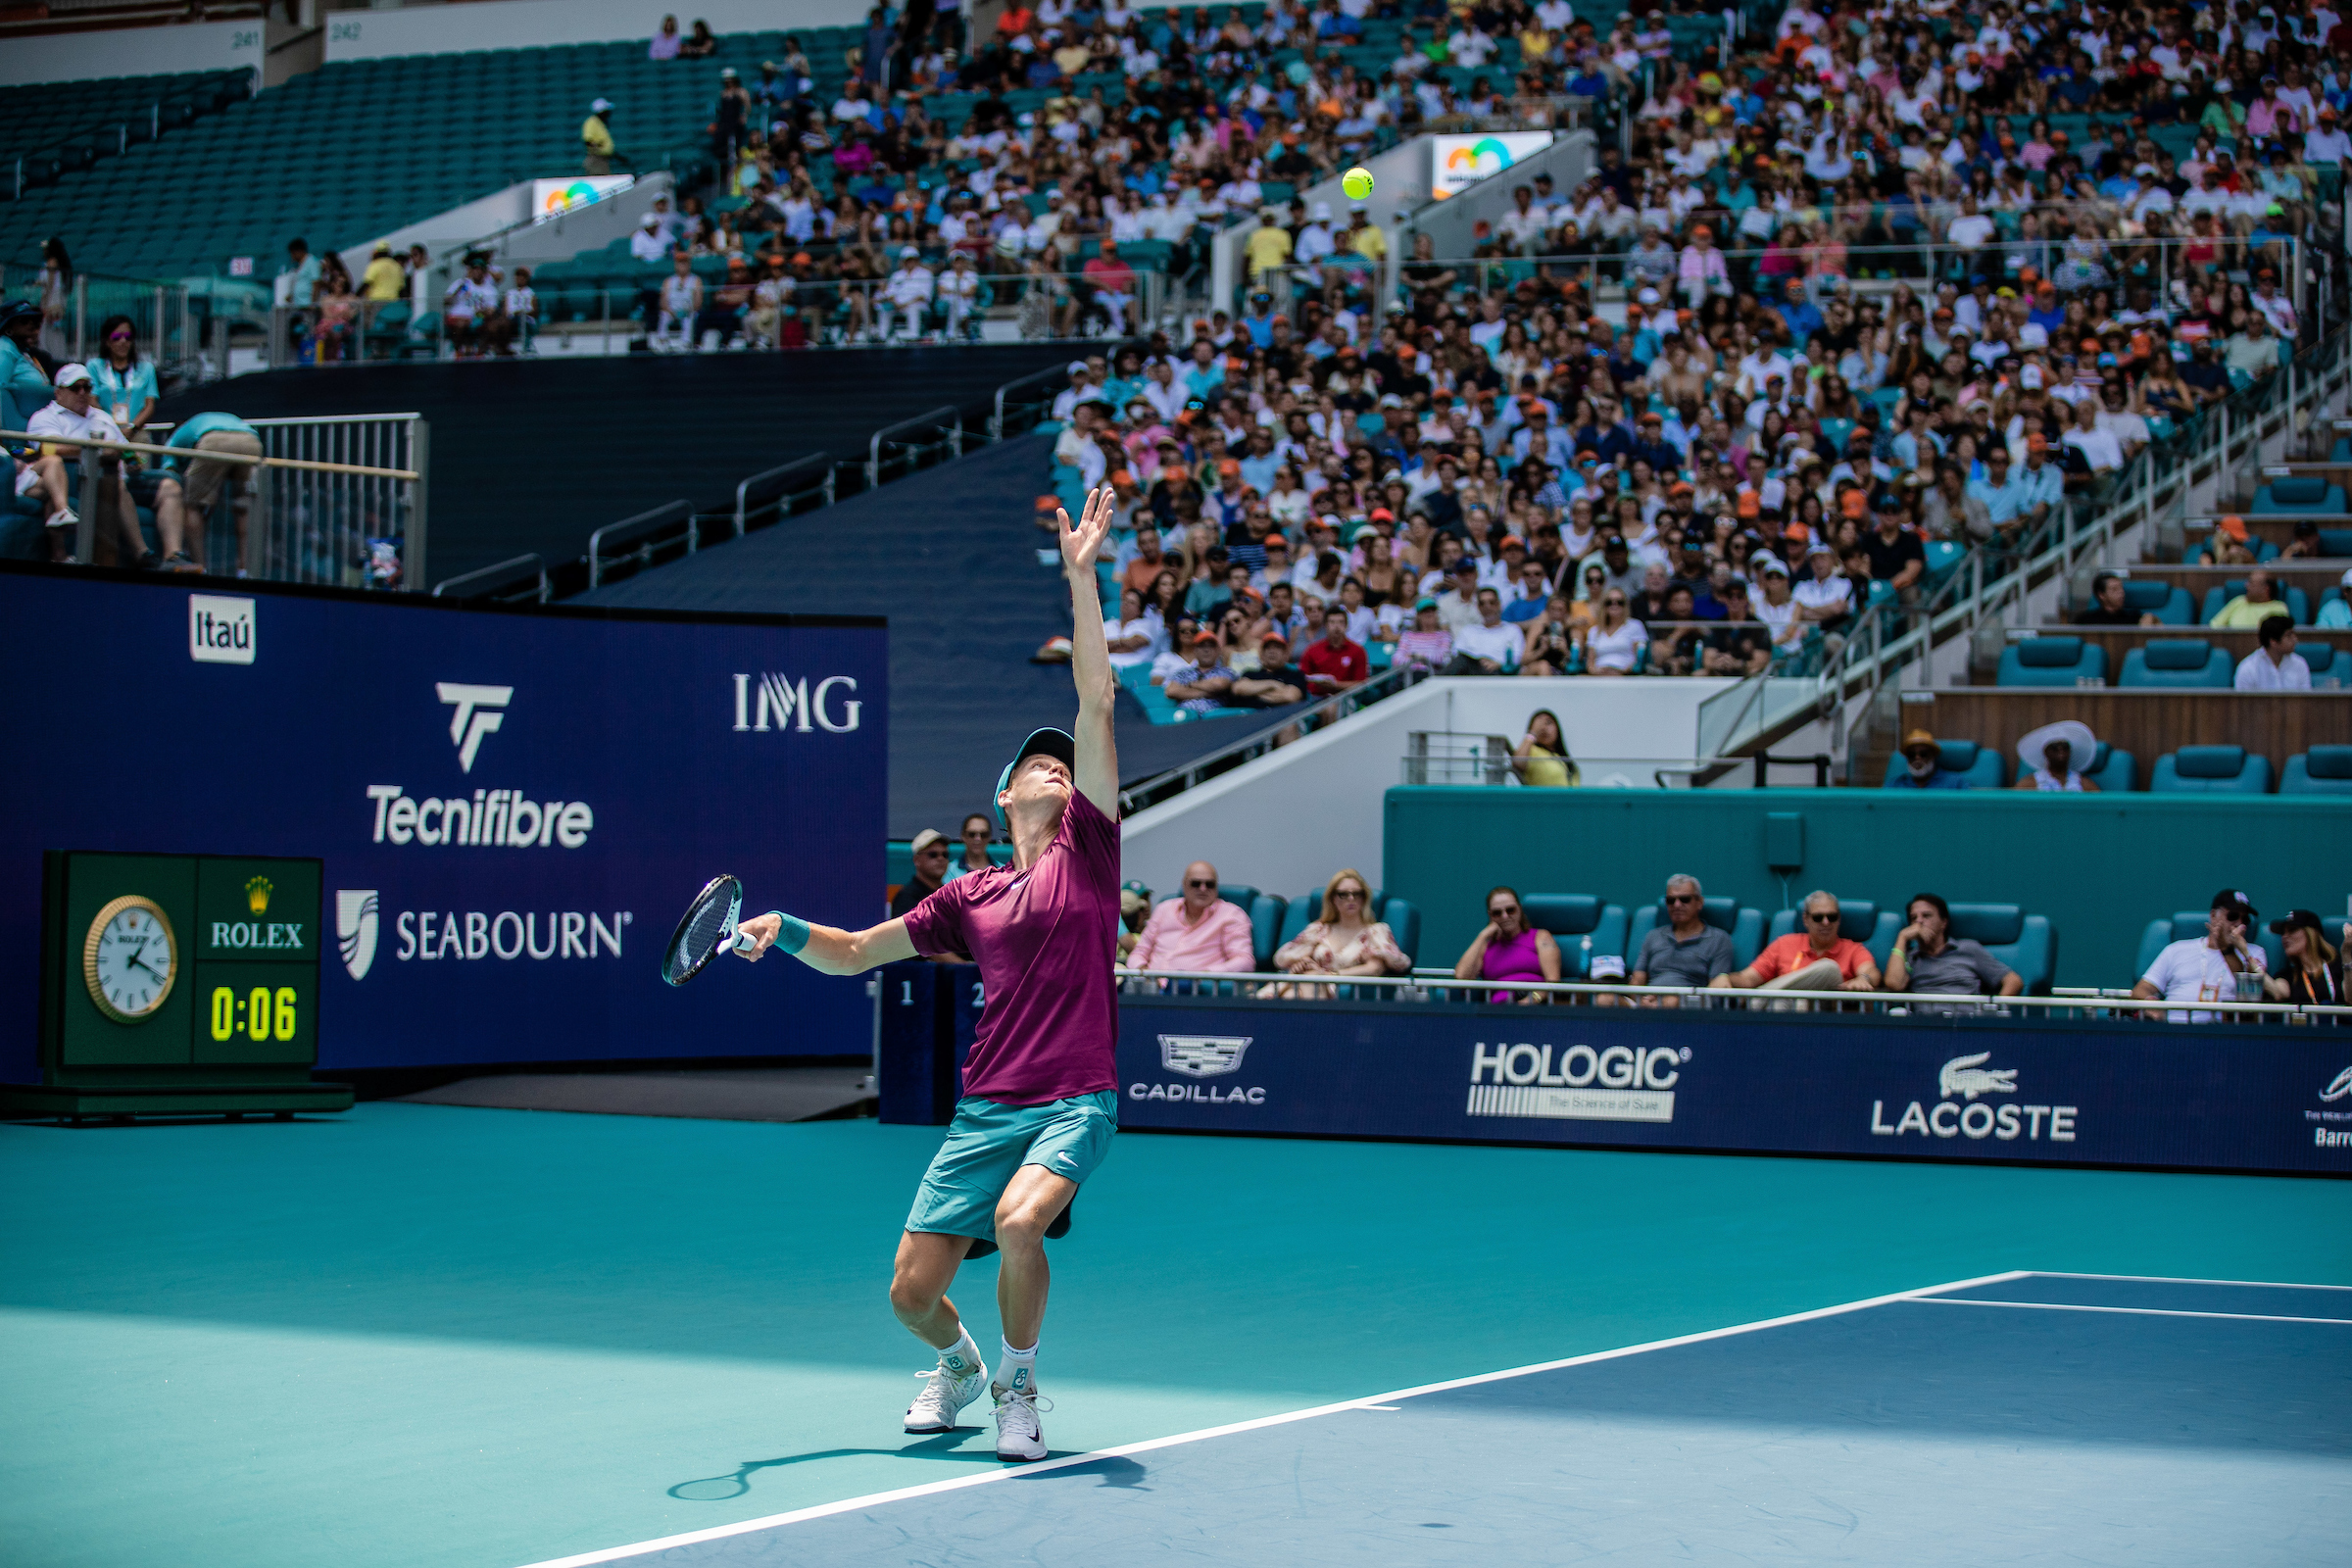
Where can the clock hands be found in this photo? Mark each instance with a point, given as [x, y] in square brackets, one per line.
[136, 960]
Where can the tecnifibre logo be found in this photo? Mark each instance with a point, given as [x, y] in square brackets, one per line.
[480, 710]
[503, 818]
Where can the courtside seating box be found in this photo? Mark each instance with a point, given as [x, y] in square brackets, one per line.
[2211, 771]
[920, 1066]
[1984, 768]
[2302, 493]
[2321, 770]
[2052, 661]
[1403, 920]
[1572, 918]
[2181, 661]
[1744, 926]
[2190, 925]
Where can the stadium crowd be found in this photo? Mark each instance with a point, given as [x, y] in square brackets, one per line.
[1876, 312]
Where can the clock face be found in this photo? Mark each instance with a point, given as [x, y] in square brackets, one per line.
[129, 959]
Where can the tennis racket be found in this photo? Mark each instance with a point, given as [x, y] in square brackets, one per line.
[706, 931]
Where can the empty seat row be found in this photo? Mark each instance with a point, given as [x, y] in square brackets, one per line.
[2172, 661]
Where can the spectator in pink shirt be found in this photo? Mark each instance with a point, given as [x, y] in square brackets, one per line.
[1199, 931]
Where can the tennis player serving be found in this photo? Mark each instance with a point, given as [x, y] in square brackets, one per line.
[1039, 1100]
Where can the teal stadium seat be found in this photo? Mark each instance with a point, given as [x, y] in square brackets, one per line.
[1585, 927]
[2178, 661]
[1744, 926]
[2169, 603]
[2053, 661]
[2326, 661]
[2112, 769]
[2321, 770]
[2301, 493]
[2211, 771]
[2297, 601]
[2026, 943]
[2335, 543]
[2186, 925]
[1984, 768]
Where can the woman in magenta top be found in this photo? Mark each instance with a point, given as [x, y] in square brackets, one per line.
[1508, 948]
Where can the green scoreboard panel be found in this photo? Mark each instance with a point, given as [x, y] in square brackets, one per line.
[174, 984]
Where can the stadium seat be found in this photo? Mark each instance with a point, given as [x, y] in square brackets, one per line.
[2190, 924]
[1744, 926]
[1585, 927]
[2303, 493]
[2183, 661]
[2112, 771]
[2026, 943]
[1265, 927]
[2321, 770]
[2211, 771]
[1986, 768]
[2053, 661]
[2169, 603]
[2297, 601]
[1241, 894]
[2335, 543]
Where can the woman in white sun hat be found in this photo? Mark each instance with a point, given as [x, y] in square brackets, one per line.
[2052, 758]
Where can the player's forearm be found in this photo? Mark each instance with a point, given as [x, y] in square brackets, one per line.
[1090, 652]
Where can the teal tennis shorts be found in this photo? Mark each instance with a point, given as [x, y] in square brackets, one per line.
[987, 1143]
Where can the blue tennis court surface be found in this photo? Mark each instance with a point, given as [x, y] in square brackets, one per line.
[2018, 1418]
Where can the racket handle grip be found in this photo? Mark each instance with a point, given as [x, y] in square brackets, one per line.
[745, 942]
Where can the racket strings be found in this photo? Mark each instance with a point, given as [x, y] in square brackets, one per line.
[709, 926]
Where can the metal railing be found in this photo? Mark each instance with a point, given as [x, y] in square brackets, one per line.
[1050, 381]
[912, 458]
[1443, 987]
[516, 580]
[160, 313]
[1320, 714]
[666, 531]
[767, 498]
[345, 530]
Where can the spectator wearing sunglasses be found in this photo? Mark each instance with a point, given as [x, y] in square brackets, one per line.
[979, 831]
[1509, 949]
[1614, 640]
[1199, 930]
[1813, 958]
[1686, 951]
[126, 383]
[930, 850]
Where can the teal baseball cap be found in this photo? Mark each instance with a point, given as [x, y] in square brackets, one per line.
[1050, 742]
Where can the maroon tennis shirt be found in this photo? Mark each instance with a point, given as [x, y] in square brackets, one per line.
[1044, 939]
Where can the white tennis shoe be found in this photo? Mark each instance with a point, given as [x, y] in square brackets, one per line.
[1019, 1436]
[943, 1397]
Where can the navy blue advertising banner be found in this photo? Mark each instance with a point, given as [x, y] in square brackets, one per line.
[2092, 1094]
[513, 808]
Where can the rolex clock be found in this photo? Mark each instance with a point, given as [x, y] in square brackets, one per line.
[129, 958]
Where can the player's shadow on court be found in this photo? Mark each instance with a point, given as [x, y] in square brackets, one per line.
[1113, 1472]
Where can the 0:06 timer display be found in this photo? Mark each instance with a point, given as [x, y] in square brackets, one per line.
[260, 1013]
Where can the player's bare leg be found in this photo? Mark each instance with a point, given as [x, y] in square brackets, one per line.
[1032, 1200]
[918, 1295]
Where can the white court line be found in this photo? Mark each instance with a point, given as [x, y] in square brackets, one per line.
[2175, 1279]
[2126, 1311]
[1373, 1401]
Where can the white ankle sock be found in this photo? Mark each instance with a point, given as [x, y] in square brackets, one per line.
[1019, 1369]
[964, 1356]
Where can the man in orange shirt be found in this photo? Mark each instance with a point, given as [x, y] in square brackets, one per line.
[1813, 958]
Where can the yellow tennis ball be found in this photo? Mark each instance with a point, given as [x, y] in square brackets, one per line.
[1358, 183]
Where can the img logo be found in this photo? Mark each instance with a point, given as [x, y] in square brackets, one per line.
[770, 702]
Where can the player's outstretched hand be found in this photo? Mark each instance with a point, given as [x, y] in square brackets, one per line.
[1081, 543]
[761, 929]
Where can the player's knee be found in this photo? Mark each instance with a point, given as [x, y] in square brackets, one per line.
[1022, 1223]
[909, 1297]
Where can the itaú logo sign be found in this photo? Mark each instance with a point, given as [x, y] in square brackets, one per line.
[770, 702]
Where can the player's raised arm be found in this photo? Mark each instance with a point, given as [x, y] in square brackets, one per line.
[828, 949]
[1096, 773]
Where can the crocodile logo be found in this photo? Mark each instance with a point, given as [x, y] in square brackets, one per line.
[2339, 1088]
[1968, 1077]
